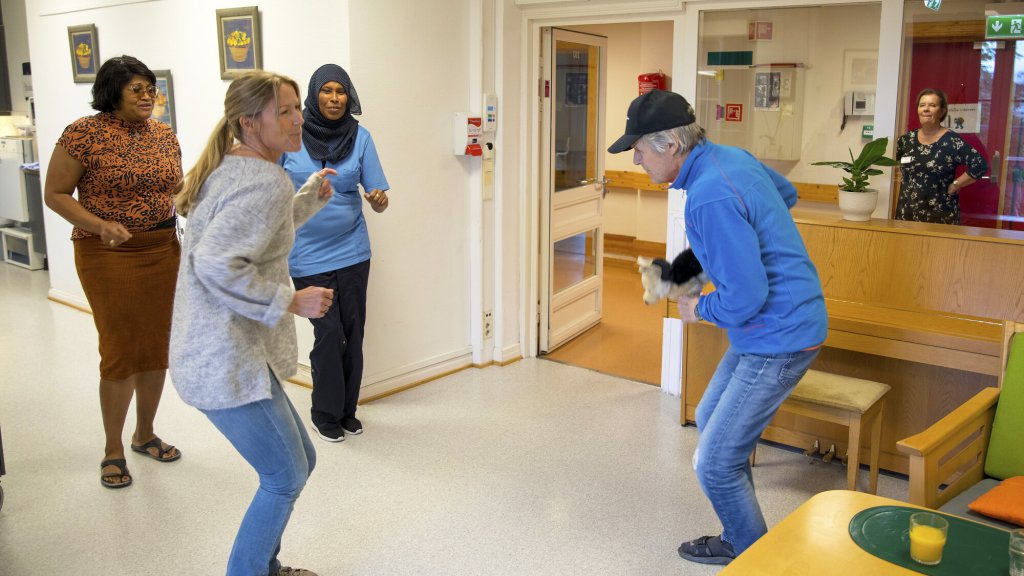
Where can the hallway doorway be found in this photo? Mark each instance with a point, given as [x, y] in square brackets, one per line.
[627, 342]
[627, 339]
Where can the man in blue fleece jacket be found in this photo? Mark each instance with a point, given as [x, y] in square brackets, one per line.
[767, 296]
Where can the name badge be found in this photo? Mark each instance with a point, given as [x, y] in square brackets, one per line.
[906, 160]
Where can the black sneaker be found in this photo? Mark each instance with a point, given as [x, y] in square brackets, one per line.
[707, 550]
[330, 434]
[351, 426]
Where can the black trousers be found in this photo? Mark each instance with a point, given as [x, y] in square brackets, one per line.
[337, 355]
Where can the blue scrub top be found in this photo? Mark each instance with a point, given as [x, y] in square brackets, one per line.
[335, 237]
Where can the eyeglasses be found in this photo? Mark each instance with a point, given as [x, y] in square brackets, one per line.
[138, 89]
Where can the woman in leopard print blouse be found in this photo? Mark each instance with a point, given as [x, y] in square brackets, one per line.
[125, 166]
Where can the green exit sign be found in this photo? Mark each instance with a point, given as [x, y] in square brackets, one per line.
[1006, 27]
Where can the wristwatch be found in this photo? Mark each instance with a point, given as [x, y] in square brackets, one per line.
[696, 313]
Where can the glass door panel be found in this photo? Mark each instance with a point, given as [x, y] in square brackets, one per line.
[575, 260]
[982, 81]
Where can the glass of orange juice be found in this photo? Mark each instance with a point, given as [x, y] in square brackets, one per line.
[927, 537]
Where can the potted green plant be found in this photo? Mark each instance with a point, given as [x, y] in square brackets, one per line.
[856, 200]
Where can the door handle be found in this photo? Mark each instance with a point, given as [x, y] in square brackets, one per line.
[603, 182]
[994, 169]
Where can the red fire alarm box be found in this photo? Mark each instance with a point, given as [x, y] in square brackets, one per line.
[466, 135]
[652, 81]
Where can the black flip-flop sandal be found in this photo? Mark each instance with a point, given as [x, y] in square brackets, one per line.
[157, 443]
[122, 471]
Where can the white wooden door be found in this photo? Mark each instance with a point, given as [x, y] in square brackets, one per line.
[572, 235]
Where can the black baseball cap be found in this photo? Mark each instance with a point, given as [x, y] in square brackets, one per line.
[654, 111]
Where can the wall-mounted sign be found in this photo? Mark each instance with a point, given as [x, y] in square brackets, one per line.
[759, 30]
[1008, 27]
[734, 112]
[736, 58]
[766, 90]
[963, 118]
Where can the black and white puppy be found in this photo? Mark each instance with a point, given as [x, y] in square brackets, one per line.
[683, 277]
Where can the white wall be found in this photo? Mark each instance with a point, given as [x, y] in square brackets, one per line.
[823, 34]
[418, 309]
[414, 63]
[829, 36]
[633, 49]
[510, 233]
[417, 313]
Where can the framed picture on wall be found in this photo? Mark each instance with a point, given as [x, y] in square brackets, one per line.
[163, 105]
[860, 70]
[85, 52]
[239, 41]
[767, 86]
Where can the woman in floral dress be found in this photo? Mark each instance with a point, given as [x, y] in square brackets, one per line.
[929, 158]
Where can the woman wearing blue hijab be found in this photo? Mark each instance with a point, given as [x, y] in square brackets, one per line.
[332, 249]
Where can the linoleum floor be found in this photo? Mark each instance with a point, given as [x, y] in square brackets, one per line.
[535, 468]
[627, 342]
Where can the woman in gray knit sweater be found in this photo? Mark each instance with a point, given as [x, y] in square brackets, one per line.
[232, 333]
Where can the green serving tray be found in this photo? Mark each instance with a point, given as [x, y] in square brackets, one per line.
[972, 549]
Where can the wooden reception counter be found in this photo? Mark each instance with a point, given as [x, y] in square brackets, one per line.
[920, 307]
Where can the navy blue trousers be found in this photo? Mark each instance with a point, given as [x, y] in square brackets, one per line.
[337, 355]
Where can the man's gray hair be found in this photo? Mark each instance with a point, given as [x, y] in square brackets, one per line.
[686, 138]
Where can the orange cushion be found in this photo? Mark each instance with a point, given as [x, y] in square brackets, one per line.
[1004, 502]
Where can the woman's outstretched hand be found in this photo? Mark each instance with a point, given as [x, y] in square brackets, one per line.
[326, 189]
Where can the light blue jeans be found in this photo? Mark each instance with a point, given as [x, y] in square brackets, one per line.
[740, 401]
[270, 436]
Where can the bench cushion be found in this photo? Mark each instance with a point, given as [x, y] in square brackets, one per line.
[843, 392]
[1005, 449]
[1004, 502]
[958, 505]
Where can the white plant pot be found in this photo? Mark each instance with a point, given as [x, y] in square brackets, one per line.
[857, 206]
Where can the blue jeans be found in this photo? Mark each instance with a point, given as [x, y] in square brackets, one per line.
[270, 436]
[740, 401]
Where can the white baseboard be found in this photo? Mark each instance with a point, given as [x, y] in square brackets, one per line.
[384, 383]
[68, 299]
[508, 353]
[374, 385]
[304, 376]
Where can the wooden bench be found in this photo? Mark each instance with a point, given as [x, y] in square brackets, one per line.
[931, 359]
[851, 402]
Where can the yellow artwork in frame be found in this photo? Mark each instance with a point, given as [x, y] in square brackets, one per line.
[239, 41]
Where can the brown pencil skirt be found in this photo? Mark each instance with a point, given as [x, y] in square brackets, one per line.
[130, 289]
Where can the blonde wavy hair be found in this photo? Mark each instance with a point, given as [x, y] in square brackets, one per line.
[247, 96]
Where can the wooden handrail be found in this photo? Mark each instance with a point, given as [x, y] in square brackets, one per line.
[632, 180]
[817, 192]
[641, 181]
[948, 31]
